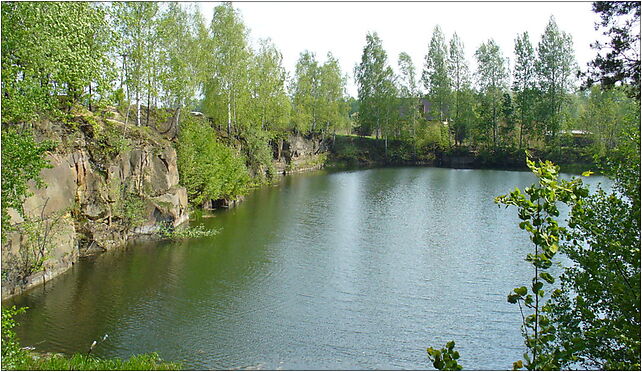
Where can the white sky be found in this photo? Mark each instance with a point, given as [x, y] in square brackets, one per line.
[341, 27]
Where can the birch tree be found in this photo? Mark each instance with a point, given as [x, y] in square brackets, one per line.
[227, 90]
[492, 79]
[435, 75]
[375, 84]
[304, 90]
[461, 113]
[556, 68]
[525, 86]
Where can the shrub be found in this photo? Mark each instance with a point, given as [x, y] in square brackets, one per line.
[208, 169]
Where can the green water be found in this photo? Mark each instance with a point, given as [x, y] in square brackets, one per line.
[329, 270]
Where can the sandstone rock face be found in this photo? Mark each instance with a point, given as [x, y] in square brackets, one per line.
[86, 204]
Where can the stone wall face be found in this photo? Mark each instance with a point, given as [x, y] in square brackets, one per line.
[300, 154]
[77, 212]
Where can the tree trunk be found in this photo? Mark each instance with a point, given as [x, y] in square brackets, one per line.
[149, 93]
[178, 115]
[89, 105]
[229, 114]
[386, 146]
[279, 150]
[138, 109]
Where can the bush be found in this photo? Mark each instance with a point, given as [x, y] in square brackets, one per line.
[208, 169]
[259, 152]
[12, 354]
[22, 160]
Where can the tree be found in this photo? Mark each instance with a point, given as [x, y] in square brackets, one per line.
[607, 114]
[375, 85]
[538, 208]
[304, 90]
[227, 90]
[492, 76]
[208, 169]
[408, 93]
[267, 78]
[621, 63]
[22, 160]
[333, 111]
[435, 76]
[556, 69]
[136, 24]
[460, 78]
[508, 119]
[178, 57]
[51, 50]
[525, 86]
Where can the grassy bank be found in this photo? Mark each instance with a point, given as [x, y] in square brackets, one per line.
[15, 357]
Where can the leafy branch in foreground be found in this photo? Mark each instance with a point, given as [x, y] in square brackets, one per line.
[538, 209]
[446, 358]
[598, 307]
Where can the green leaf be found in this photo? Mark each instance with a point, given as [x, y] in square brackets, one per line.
[587, 173]
[537, 286]
[521, 291]
[547, 277]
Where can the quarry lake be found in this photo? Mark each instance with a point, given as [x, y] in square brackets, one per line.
[329, 270]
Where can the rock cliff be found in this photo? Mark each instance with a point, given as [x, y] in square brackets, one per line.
[108, 182]
[299, 154]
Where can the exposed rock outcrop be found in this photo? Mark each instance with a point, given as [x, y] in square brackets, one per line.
[299, 154]
[95, 199]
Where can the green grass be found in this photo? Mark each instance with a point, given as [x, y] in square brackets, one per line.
[80, 362]
[14, 357]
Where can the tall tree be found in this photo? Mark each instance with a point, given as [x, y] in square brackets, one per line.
[408, 93]
[332, 104]
[556, 69]
[435, 76]
[375, 86]
[136, 23]
[621, 63]
[304, 90]
[492, 78]
[227, 92]
[179, 77]
[268, 76]
[460, 80]
[525, 85]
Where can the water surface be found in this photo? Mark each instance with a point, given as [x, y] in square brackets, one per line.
[331, 270]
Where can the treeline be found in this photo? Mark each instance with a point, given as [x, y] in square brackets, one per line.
[161, 55]
[533, 102]
[144, 56]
